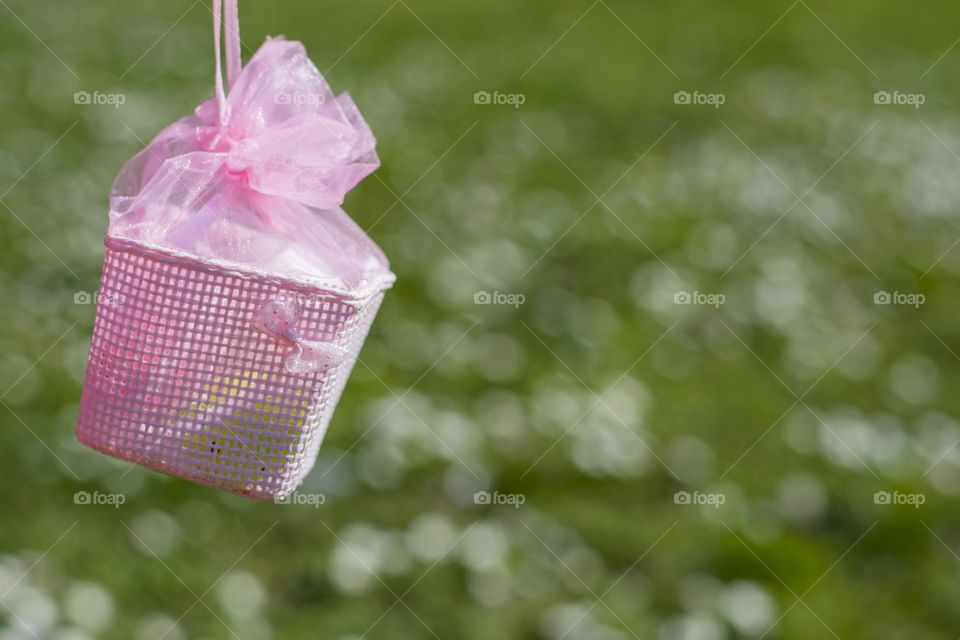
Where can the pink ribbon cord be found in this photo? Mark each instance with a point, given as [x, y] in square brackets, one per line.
[232, 31]
[231, 27]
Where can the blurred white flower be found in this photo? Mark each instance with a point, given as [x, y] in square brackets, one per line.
[362, 554]
[602, 445]
[155, 532]
[490, 586]
[241, 594]
[691, 459]
[915, 379]
[748, 607]
[697, 626]
[160, 625]
[33, 611]
[430, 536]
[498, 357]
[89, 605]
[484, 546]
[68, 634]
[577, 622]
[802, 497]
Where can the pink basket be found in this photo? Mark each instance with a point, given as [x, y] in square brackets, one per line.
[236, 293]
[182, 380]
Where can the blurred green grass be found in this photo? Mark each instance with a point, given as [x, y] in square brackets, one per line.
[503, 398]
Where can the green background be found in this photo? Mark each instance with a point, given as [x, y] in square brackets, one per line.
[599, 200]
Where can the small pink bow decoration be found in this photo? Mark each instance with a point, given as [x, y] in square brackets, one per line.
[285, 134]
[278, 319]
[279, 132]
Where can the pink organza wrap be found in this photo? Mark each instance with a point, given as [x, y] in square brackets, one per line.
[262, 191]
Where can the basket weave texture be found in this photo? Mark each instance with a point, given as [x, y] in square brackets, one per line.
[182, 376]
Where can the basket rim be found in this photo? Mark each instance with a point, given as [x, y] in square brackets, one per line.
[188, 260]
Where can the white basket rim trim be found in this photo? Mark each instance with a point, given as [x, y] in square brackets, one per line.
[307, 285]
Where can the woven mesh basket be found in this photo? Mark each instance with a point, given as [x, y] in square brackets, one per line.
[183, 378]
[236, 293]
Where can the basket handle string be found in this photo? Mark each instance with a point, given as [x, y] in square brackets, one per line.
[227, 9]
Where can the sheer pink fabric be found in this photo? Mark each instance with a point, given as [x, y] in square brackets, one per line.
[262, 188]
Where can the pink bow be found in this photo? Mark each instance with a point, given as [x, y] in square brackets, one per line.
[279, 131]
[278, 319]
[282, 131]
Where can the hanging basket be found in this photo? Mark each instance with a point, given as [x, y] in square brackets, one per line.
[235, 294]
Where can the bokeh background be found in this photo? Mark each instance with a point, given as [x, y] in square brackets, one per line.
[713, 394]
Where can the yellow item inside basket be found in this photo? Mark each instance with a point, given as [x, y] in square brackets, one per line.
[253, 435]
